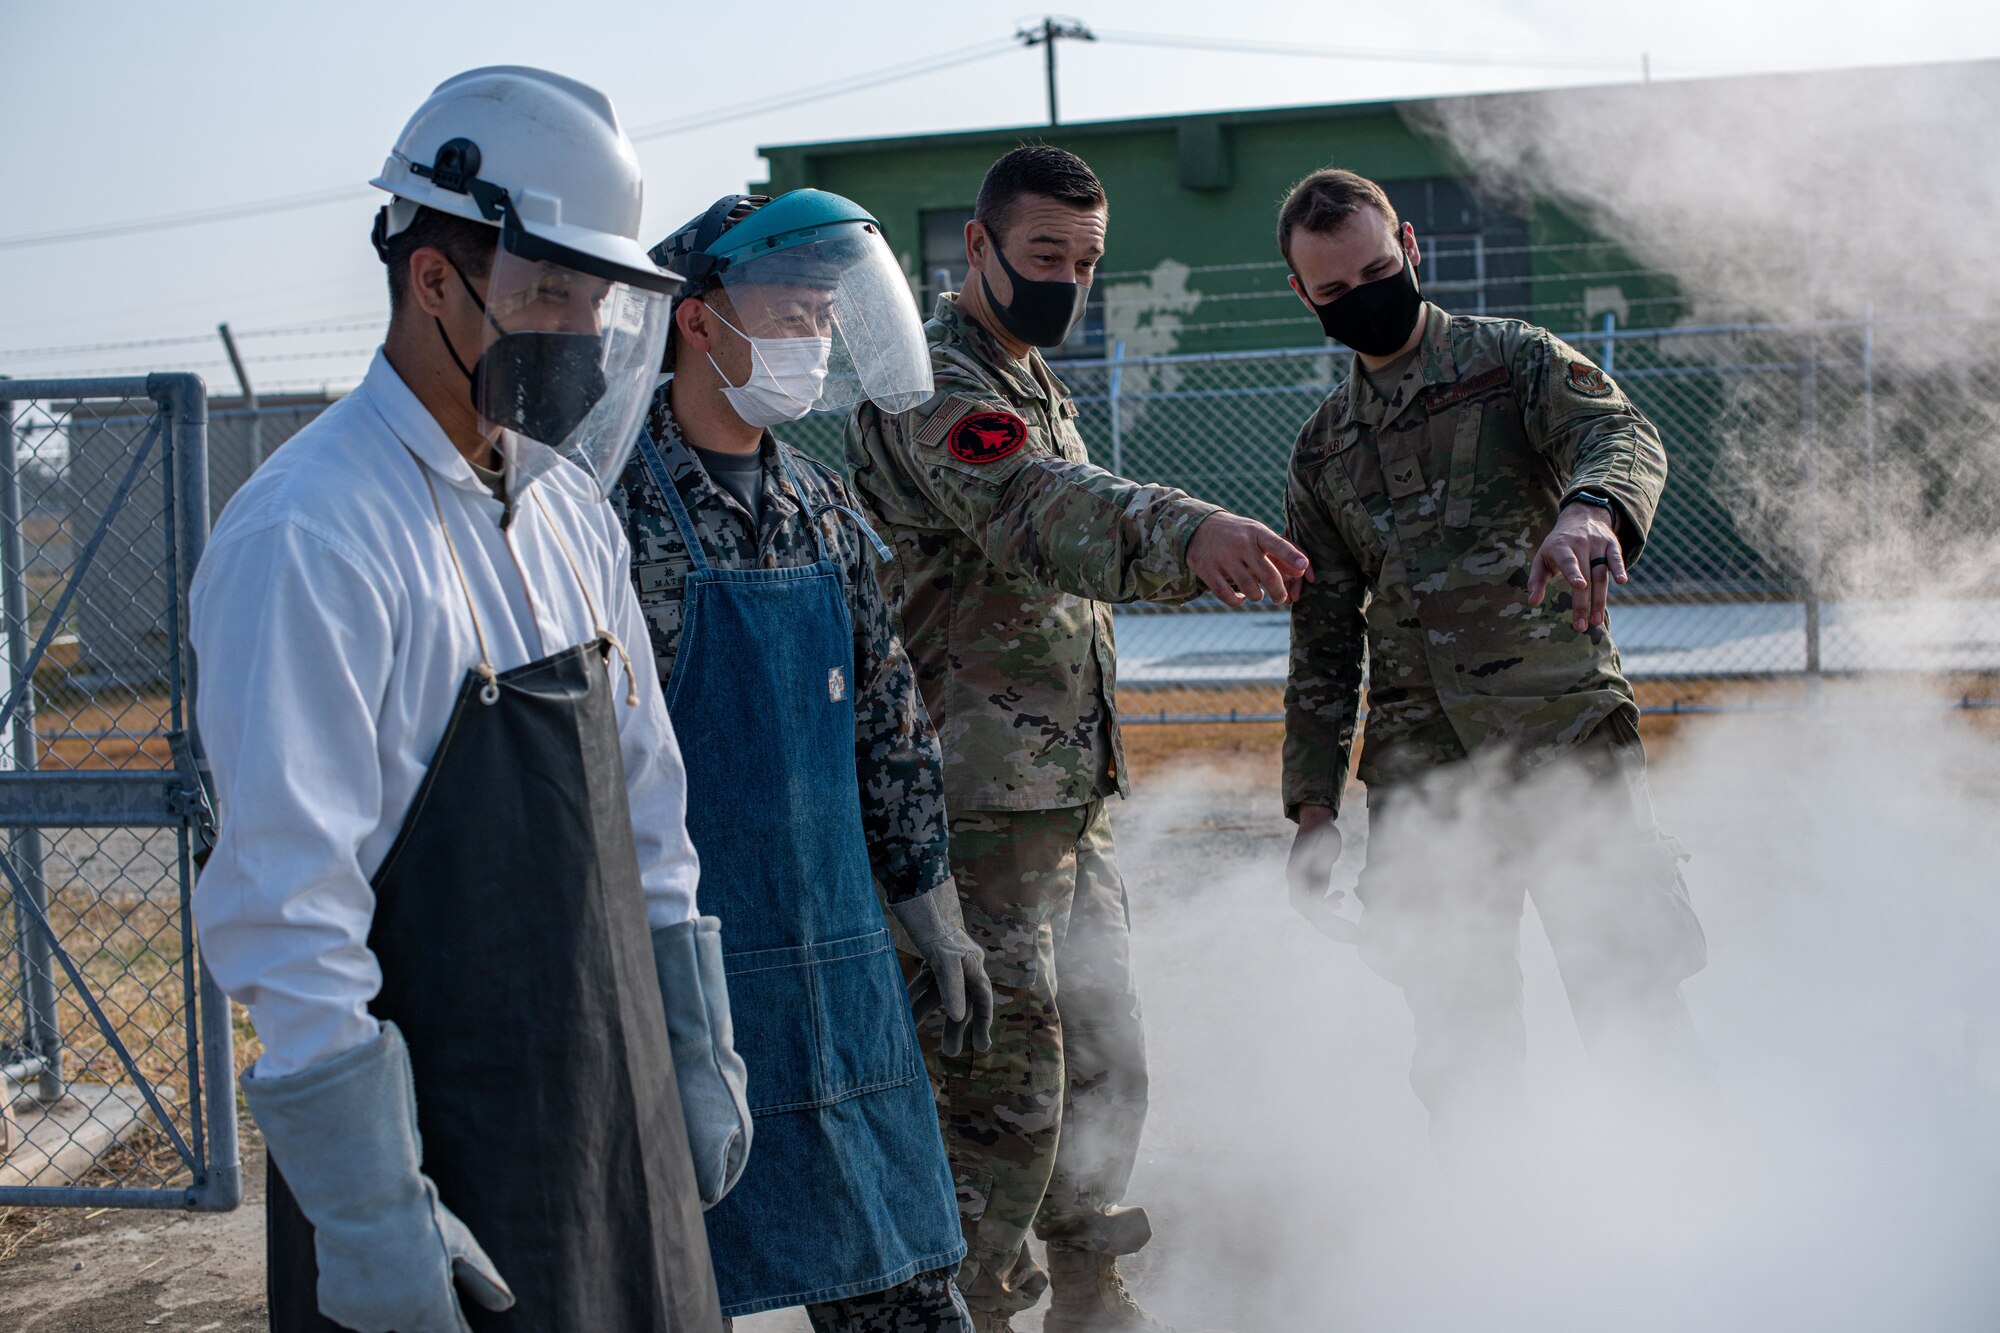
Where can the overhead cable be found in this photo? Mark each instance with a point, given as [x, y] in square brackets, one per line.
[853, 83]
[1412, 56]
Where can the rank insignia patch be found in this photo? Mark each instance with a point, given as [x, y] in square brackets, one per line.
[986, 437]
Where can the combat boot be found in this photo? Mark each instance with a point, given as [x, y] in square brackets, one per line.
[982, 1322]
[1090, 1296]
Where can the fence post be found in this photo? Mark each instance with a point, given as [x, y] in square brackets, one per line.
[185, 399]
[1809, 477]
[38, 981]
[1610, 358]
[249, 396]
[1868, 409]
[1117, 364]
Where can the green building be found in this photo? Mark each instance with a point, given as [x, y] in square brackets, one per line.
[1192, 264]
[1196, 364]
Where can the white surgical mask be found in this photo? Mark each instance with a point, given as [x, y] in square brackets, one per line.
[786, 377]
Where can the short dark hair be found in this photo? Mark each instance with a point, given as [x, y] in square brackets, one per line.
[1036, 168]
[466, 243]
[711, 297]
[1324, 200]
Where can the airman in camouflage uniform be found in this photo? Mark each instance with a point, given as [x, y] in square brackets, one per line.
[1008, 546]
[1001, 576]
[1424, 504]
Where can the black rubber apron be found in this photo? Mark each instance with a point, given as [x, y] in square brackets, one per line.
[516, 960]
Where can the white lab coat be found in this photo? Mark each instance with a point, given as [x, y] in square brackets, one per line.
[333, 638]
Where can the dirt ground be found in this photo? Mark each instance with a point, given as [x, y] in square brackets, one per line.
[112, 1271]
[1202, 846]
[98, 1272]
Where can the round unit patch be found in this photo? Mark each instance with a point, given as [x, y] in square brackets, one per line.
[986, 437]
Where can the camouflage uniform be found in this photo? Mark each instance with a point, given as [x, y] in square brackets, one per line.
[1422, 513]
[1008, 544]
[927, 1303]
[895, 748]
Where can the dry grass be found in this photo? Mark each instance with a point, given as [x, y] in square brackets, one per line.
[139, 714]
[130, 949]
[1149, 746]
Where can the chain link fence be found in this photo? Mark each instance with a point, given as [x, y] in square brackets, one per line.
[116, 1067]
[1807, 461]
[1831, 510]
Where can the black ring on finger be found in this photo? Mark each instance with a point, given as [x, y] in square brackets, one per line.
[1597, 560]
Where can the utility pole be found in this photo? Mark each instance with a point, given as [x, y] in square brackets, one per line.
[1046, 37]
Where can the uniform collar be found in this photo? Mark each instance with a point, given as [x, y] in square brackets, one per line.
[1435, 364]
[960, 328]
[691, 479]
[413, 425]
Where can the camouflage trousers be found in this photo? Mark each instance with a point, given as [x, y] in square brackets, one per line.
[1043, 1129]
[1452, 859]
[927, 1303]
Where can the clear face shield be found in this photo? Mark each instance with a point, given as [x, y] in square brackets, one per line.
[831, 320]
[572, 343]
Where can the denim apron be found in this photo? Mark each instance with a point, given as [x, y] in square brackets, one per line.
[848, 1190]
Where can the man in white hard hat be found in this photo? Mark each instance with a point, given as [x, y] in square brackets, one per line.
[452, 811]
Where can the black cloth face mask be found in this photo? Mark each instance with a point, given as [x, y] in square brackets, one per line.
[537, 383]
[1042, 312]
[1375, 318]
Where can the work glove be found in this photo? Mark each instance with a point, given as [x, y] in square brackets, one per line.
[344, 1135]
[715, 1097]
[954, 971]
[1308, 876]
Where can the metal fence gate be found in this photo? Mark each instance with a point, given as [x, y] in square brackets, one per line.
[116, 1059]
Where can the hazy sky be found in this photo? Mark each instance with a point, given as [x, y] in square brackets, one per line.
[113, 112]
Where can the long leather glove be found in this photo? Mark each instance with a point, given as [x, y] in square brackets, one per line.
[714, 1083]
[391, 1256]
[954, 972]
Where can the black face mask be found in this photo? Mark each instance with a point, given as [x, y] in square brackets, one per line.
[1042, 312]
[539, 384]
[1375, 318]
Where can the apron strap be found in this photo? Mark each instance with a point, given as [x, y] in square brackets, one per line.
[598, 626]
[489, 693]
[882, 551]
[672, 495]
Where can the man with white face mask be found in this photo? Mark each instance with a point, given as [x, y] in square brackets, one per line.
[814, 772]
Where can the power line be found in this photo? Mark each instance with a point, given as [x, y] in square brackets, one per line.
[200, 217]
[1405, 57]
[908, 69]
[854, 83]
[345, 324]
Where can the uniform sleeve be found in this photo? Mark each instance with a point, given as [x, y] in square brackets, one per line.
[1329, 639]
[897, 759]
[1037, 515]
[295, 644]
[655, 779]
[1590, 432]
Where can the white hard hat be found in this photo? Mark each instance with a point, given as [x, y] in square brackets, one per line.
[538, 155]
